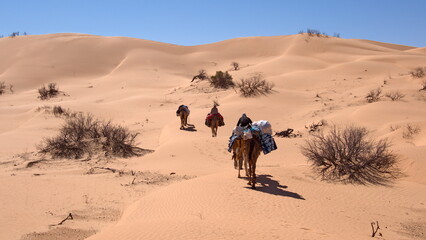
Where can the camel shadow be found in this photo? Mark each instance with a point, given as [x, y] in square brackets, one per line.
[271, 186]
[190, 128]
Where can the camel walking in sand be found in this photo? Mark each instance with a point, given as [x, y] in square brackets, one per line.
[252, 148]
[183, 113]
[214, 124]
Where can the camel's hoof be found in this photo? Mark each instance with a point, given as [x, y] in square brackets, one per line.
[249, 183]
[253, 187]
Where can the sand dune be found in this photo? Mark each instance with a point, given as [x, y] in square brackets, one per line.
[139, 84]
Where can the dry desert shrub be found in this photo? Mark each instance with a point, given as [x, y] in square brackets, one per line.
[2, 88]
[221, 80]
[254, 85]
[59, 111]
[410, 130]
[315, 127]
[423, 85]
[373, 95]
[202, 75]
[50, 91]
[349, 155]
[84, 135]
[235, 66]
[418, 72]
[395, 95]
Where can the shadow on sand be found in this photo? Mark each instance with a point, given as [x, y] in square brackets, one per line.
[190, 128]
[271, 186]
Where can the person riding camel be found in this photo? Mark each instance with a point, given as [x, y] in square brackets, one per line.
[244, 121]
[214, 112]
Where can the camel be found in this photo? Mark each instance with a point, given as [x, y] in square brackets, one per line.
[183, 112]
[252, 148]
[214, 124]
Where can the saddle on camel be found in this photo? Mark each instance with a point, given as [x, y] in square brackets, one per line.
[248, 140]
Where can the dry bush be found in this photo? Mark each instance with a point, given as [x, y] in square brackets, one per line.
[423, 85]
[316, 33]
[235, 66]
[84, 135]
[348, 155]
[254, 85]
[418, 72]
[2, 88]
[395, 95]
[288, 133]
[50, 91]
[410, 130]
[59, 111]
[373, 95]
[202, 75]
[221, 80]
[393, 128]
[315, 127]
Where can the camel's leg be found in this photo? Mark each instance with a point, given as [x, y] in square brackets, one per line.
[182, 120]
[253, 174]
[246, 167]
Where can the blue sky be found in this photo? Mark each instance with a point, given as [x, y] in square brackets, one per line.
[192, 22]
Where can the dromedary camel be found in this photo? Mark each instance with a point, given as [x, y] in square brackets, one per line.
[183, 114]
[252, 148]
[214, 124]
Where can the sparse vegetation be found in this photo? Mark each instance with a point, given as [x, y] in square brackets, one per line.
[202, 75]
[14, 34]
[84, 135]
[395, 95]
[288, 133]
[235, 66]
[254, 85]
[410, 130]
[4, 87]
[59, 111]
[423, 86]
[221, 80]
[314, 127]
[418, 72]
[317, 33]
[49, 92]
[373, 95]
[393, 128]
[348, 155]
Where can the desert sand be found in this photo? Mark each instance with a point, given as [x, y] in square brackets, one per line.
[188, 188]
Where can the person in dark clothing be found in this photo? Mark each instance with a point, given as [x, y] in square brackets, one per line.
[244, 121]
